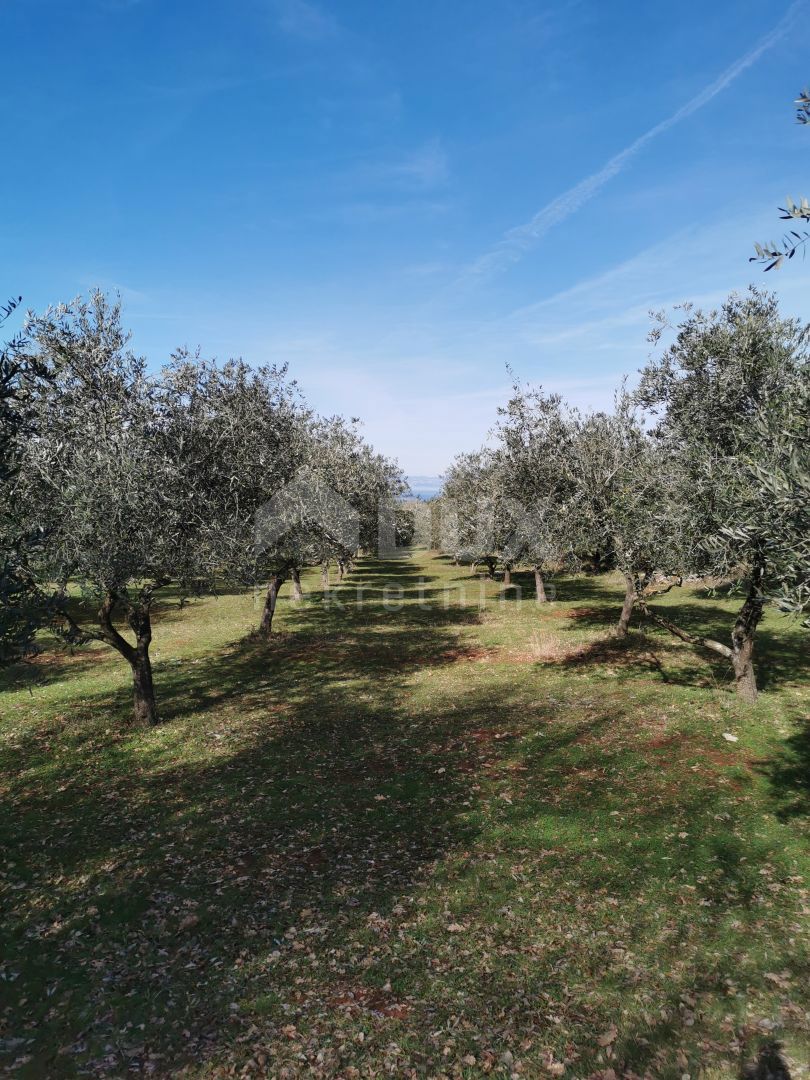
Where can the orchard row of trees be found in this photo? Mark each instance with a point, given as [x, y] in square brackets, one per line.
[703, 471]
[123, 484]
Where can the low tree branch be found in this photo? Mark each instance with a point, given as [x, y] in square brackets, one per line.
[109, 632]
[79, 632]
[676, 582]
[690, 639]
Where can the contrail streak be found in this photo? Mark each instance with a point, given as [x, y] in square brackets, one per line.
[522, 237]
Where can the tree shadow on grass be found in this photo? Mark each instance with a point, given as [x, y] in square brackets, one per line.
[57, 661]
[781, 658]
[566, 589]
[49, 667]
[789, 774]
[253, 849]
[637, 835]
[322, 790]
[632, 657]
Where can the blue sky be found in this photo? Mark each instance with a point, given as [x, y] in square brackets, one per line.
[401, 198]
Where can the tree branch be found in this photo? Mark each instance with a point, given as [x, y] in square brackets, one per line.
[108, 631]
[675, 583]
[690, 639]
[79, 632]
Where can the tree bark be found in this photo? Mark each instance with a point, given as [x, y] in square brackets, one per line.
[490, 569]
[145, 705]
[627, 607]
[507, 575]
[144, 709]
[325, 573]
[269, 610]
[539, 586]
[298, 592]
[742, 645]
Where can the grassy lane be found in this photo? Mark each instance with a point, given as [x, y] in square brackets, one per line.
[412, 835]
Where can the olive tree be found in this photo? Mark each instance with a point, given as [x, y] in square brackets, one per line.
[774, 254]
[22, 606]
[113, 495]
[447, 526]
[781, 490]
[536, 432]
[367, 482]
[470, 497]
[627, 504]
[242, 436]
[330, 509]
[730, 396]
[426, 519]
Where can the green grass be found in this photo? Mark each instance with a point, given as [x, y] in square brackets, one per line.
[439, 841]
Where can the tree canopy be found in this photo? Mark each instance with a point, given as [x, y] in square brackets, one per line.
[137, 482]
[702, 471]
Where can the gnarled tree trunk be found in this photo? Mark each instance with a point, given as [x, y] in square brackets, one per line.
[627, 607]
[144, 709]
[742, 646]
[298, 592]
[269, 609]
[741, 653]
[144, 703]
[539, 586]
[507, 575]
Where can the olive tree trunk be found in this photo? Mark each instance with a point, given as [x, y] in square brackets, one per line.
[144, 703]
[298, 592]
[325, 573]
[269, 609]
[507, 575]
[144, 710]
[627, 607]
[741, 653]
[539, 585]
[742, 646]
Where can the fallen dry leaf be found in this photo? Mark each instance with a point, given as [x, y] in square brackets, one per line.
[609, 1036]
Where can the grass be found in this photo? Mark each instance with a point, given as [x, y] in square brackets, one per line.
[443, 840]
